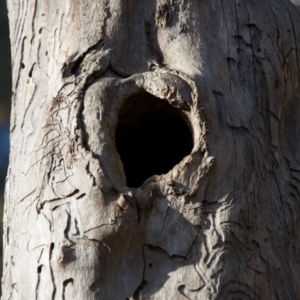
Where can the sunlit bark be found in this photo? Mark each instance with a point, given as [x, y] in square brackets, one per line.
[222, 222]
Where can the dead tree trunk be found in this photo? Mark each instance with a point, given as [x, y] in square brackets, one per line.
[155, 150]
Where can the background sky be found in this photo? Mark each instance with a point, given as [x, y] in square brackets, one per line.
[5, 93]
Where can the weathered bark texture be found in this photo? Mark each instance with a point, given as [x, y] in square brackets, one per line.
[223, 223]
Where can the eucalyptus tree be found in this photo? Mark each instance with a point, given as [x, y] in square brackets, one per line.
[154, 150]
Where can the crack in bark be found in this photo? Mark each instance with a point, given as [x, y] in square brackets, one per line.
[51, 271]
[97, 227]
[67, 229]
[29, 194]
[143, 283]
[41, 205]
[295, 39]
[65, 283]
[39, 271]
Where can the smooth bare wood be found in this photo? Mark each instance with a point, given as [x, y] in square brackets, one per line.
[224, 222]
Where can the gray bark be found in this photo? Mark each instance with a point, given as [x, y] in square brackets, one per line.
[223, 223]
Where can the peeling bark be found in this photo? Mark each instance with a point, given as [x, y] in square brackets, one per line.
[220, 224]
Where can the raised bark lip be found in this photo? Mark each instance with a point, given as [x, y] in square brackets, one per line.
[115, 92]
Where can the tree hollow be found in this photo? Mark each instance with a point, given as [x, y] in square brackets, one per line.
[151, 137]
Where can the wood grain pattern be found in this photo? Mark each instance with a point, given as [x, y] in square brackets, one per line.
[224, 222]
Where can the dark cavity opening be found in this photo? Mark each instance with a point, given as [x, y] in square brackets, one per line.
[151, 137]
